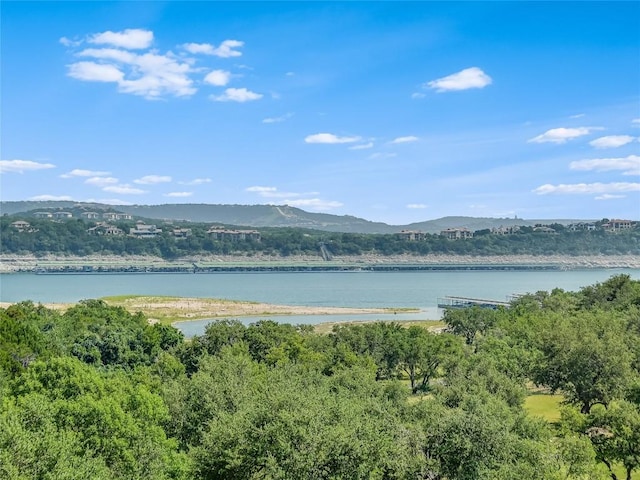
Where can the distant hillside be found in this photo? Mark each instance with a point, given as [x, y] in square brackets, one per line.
[273, 216]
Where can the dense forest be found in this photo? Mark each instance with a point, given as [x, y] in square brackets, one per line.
[98, 392]
[72, 237]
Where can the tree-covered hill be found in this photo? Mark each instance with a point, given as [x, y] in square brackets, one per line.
[86, 237]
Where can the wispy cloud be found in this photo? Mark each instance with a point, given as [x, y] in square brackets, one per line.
[362, 146]
[315, 204]
[152, 179]
[279, 119]
[294, 199]
[562, 135]
[612, 141]
[196, 181]
[465, 79]
[22, 166]
[577, 115]
[226, 49]
[629, 165]
[240, 95]
[587, 188]
[329, 138]
[51, 198]
[218, 78]
[78, 172]
[417, 206]
[101, 181]
[124, 190]
[178, 194]
[608, 196]
[131, 38]
[407, 139]
[417, 95]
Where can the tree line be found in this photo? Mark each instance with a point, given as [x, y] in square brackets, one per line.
[71, 237]
[98, 392]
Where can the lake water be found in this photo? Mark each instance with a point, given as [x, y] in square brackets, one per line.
[340, 289]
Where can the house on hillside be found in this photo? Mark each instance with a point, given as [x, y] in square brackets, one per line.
[22, 226]
[43, 215]
[219, 233]
[181, 233]
[105, 229]
[411, 235]
[90, 215]
[543, 229]
[460, 233]
[116, 216]
[615, 225]
[62, 215]
[510, 230]
[143, 230]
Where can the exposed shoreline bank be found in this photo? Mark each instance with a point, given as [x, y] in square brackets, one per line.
[97, 263]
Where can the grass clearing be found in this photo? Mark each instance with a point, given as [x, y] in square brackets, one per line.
[544, 405]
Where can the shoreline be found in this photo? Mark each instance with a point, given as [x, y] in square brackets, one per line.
[98, 264]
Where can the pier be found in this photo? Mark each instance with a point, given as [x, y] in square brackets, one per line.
[464, 302]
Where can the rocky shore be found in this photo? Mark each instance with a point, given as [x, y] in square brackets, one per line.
[30, 263]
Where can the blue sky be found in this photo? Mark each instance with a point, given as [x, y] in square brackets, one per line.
[396, 112]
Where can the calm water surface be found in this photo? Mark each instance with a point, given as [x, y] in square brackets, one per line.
[340, 289]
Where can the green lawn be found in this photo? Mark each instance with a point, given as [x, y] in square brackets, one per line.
[544, 405]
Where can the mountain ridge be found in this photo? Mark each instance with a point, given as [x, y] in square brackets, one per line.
[274, 216]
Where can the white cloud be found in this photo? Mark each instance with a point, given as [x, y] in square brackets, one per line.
[313, 204]
[95, 72]
[417, 206]
[362, 146]
[67, 42]
[152, 179]
[49, 198]
[587, 188]
[196, 181]
[463, 80]
[21, 166]
[149, 74]
[630, 165]
[261, 190]
[236, 95]
[124, 190]
[178, 194]
[329, 138]
[608, 196]
[408, 139]
[612, 141]
[101, 181]
[562, 135]
[417, 95]
[78, 172]
[219, 78]
[279, 119]
[635, 121]
[578, 115]
[226, 49]
[131, 38]
[108, 201]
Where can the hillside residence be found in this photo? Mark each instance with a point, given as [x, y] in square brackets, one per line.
[22, 226]
[105, 229]
[181, 233]
[511, 230]
[218, 233]
[43, 215]
[582, 226]
[411, 235]
[116, 216]
[617, 225]
[457, 233]
[90, 215]
[143, 230]
[62, 215]
[543, 229]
